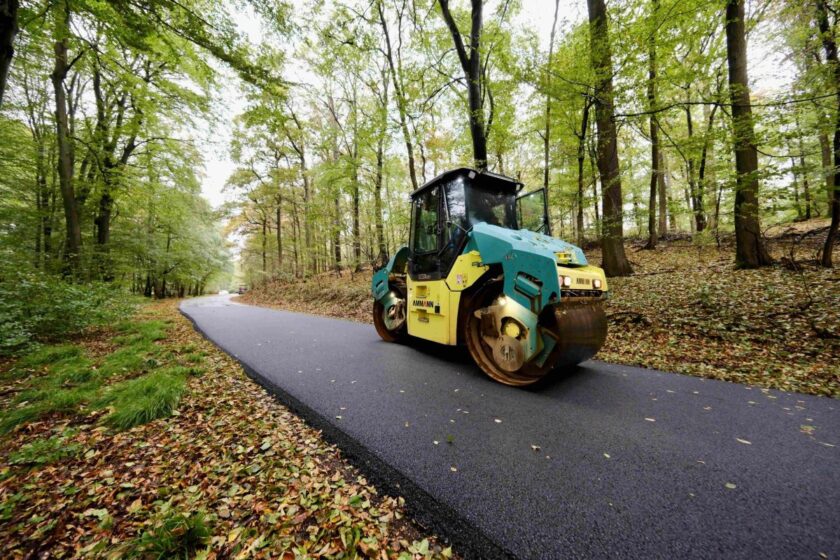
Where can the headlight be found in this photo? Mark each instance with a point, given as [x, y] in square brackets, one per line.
[596, 284]
[567, 281]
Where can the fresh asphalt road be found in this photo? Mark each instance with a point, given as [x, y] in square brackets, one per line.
[605, 461]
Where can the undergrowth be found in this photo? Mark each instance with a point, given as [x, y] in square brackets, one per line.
[136, 382]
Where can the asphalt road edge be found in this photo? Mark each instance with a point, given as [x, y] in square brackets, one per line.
[467, 540]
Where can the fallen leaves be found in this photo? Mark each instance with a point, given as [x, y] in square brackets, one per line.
[232, 463]
[686, 309]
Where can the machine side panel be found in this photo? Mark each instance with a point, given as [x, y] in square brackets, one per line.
[430, 311]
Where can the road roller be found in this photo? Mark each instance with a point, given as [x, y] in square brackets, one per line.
[481, 269]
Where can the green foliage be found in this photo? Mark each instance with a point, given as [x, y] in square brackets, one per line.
[41, 307]
[173, 534]
[141, 400]
[44, 451]
[61, 379]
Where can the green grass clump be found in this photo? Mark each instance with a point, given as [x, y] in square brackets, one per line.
[16, 416]
[194, 357]
[46, 450]
[47, 355]
[173, 535]
[141, 400]
[70, 380]
[132, 359]
[146, 331]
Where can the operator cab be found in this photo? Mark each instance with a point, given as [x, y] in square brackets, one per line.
[446, 208]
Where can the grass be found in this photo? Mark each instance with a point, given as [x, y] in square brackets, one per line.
[143, 399]
[173, 535]
[228, 461]
[138, 381]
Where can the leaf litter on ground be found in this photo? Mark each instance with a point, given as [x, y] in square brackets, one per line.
[687, 309]
[230, 473]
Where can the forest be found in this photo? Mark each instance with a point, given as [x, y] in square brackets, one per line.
[153, 151]
[639, 117]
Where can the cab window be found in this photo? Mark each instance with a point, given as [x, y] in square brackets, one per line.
[426, 222]
[531, 211]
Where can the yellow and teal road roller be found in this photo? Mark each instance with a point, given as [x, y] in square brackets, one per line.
[482, 269]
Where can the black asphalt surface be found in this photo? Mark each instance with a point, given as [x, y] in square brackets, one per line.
[605, 462]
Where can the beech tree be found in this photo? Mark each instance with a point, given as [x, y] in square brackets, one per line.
[612, 240]
[8, 31]
[473, 68]
[827, 35]
[750, 251]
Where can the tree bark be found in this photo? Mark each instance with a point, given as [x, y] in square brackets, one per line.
[581, 158]
[701, 175]
[300, 148]
[827, 166]
[382, 256]
[695, 191]
[654, 127]
[278, 211]
[663, 195]
[399, 94]
[73, 246]
[8, 31]
[264, 243]
[547, 131]
[472, 67]
[356, 195]
[615, 261]
[750, 251]
[830, 47]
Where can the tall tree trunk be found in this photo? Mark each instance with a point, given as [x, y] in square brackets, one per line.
[581, 158]
[615, 261]
[357, 234]
[806, 188]
[701, 176]
[382, 257]
[264, 243]
[73, 246]
[830, 46]
[547, 131]
[654, 127]
[337, 231]
[278, 212]
[827, 166]
[749, 247]
[663, 194]
[696, 194]
[472, 67]
[804, 170]
[596, 199]
[299, 146]
[43, 200]
[796, 202]
[399, 94]
[8, 31]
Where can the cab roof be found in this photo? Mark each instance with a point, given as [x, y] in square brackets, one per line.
[486, 179]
